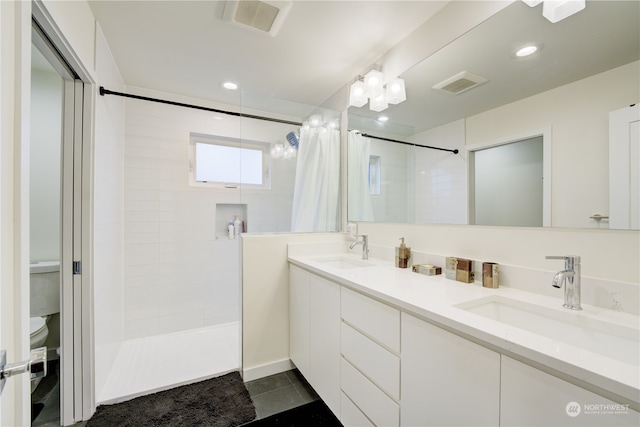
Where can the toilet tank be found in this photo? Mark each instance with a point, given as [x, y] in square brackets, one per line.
[45, 288]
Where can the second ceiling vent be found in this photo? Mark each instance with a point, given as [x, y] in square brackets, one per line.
[264, 16]
[461, 82]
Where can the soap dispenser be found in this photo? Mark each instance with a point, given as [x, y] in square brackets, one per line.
[403, 254]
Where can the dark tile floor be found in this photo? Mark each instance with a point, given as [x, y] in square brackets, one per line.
[280, 392]
[45, 399]
[270, 395]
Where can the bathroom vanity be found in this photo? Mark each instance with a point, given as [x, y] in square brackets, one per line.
[383, 346]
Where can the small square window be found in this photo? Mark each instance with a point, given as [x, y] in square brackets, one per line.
[374, 175]
[229, 163]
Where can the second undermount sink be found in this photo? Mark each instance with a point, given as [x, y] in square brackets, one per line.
[607, 339]
[342, 262]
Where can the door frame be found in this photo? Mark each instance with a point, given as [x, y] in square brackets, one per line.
[623, 169]
[77, 382]
[470, 150]
[15, 76]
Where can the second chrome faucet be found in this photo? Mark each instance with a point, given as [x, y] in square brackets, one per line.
[570, 278]
[365, 245]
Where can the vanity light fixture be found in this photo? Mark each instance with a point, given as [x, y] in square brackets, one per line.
[396, 92]
[357, 95]
[379, 103]
[557, 10]
[315, 121]
[371, 88]
[374, 84]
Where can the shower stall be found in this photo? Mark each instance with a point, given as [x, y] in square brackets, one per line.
[182, 290]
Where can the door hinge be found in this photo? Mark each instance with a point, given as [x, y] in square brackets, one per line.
[77, 267]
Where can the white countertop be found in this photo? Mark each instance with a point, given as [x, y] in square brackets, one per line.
[433, 298]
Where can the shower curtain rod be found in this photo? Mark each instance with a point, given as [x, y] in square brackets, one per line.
[409, 143]
[104, 91]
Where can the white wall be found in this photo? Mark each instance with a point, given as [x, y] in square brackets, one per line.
[44, 156]
[265, 303]
[606, 254]
[578, 114]
[440, 176]
[108, 223]
[178, 276]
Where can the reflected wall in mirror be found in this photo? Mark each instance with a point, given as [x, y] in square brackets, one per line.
[507, 184]
[586, 66]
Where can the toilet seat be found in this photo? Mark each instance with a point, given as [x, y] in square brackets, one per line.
[38, 332]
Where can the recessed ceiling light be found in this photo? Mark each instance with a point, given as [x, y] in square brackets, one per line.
[526, 51]
[229, 85]
[383, 118]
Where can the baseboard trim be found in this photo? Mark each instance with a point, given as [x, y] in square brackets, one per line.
[257, 372]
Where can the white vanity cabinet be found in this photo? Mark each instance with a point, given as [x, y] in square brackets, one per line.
[531, 397]
[375, 364]
[299, 286]
[446, 379]
[315, 333]
[370, 346]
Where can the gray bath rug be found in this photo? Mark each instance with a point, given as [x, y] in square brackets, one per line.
[219, 402]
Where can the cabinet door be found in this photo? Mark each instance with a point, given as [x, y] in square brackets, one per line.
[324, 341]
[530, 397]
[446, 380]
[299, 318]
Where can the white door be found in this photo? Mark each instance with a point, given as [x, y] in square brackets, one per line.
[624, 168]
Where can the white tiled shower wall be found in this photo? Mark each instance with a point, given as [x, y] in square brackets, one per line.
[108, 226]
[392, 203]
[440, 176]
[421, 184]
[177, 274]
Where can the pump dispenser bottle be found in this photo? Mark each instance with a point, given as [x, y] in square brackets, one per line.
[403, 254]
[237, 226]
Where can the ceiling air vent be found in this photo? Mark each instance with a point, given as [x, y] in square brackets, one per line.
[461, 82]
[263, 16]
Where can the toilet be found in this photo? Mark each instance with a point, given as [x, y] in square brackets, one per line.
[39, 332]
[44, 281]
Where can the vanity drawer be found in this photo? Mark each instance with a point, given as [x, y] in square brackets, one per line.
[350, 415]
[377, 363]
[376, 405]
[377, 320]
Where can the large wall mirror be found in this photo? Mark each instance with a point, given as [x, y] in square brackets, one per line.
[586, 66]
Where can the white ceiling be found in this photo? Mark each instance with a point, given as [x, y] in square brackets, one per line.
[605, 35]
[185, 47]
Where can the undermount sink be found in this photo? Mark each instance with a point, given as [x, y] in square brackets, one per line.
[610, 340]
[343, 262]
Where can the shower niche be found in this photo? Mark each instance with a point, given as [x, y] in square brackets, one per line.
[227, 212]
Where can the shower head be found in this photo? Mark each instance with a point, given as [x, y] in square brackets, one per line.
[293, 139]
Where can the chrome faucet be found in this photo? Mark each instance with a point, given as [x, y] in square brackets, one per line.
[570, 278]
[365, 245]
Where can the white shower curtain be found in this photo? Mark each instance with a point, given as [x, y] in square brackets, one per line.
[359, 149]
[317, 188]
